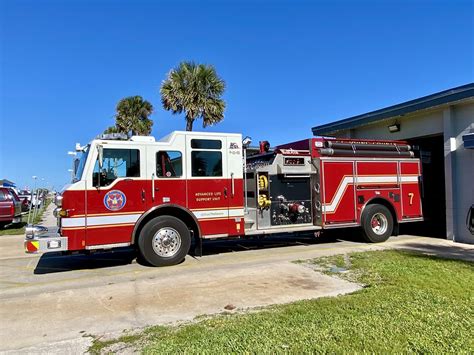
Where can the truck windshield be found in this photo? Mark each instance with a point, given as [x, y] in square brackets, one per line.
[79, 167]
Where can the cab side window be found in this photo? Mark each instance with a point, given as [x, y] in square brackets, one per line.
[169, 164]
[117, 163]
[206, 157]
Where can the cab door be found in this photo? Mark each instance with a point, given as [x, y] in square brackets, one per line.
[166, 180]
[118, 195]
[208, 183]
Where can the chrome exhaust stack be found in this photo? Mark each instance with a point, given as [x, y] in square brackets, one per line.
[32, 231]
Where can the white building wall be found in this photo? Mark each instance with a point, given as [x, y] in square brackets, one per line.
[453, 122]
[411, 126]
[463, 180]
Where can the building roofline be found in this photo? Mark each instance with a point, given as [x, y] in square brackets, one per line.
[422, 103]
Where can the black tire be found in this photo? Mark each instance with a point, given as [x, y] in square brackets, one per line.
[160, 235]
[377, 223]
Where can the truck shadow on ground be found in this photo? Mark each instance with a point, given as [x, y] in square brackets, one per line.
[56, 262]
[440, 251]
[213, 247]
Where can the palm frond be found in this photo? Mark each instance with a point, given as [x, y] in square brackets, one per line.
[196, 90]
[132, 116]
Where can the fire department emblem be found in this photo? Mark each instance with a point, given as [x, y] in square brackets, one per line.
[115, 200]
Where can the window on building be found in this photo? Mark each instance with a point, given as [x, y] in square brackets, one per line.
[169, 164]
[117, 163]
[206, 163]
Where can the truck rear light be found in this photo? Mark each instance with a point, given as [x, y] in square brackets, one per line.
[31, 246]
[54, 244]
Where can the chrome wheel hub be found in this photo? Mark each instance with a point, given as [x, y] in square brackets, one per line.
[379, 223]
[166, 242]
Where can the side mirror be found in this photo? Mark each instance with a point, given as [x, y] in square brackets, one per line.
[100, 149]
[75, 166]
[96, 180]
[99, 178]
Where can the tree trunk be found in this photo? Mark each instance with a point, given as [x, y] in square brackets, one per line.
[189, 124]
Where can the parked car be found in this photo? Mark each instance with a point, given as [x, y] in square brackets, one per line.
[32, 202]
[10, 207]
[25, 198]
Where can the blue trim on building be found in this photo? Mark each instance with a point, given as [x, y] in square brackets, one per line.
[7, 183]
[439, 98]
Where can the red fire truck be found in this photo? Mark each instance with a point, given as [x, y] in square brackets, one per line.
[158, 196]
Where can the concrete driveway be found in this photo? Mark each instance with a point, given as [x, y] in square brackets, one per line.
[51, 303]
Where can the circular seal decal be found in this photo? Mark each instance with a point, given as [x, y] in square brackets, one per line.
[115, 200]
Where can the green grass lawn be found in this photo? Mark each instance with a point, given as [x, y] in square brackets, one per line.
[19, 228]
[411, 303]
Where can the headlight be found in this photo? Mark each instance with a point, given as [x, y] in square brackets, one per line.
[58, 200]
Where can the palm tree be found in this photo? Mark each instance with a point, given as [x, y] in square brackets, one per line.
[132, 117]
[195, 89]
[112, 129]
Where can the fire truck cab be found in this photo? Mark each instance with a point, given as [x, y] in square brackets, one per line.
[160, 195]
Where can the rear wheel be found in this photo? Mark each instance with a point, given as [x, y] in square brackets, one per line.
[377, 223]
[163, 241]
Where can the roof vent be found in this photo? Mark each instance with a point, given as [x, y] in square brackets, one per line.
[142, 139]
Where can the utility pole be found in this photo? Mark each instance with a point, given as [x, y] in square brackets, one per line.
[32, 194]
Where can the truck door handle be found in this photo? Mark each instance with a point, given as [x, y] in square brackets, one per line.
[232, 186]
[225, 192]
[153, 187]
[143, 195]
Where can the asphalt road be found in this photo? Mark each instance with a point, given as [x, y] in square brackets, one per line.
[51, 303]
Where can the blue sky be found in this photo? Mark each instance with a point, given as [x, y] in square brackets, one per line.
[288, 66]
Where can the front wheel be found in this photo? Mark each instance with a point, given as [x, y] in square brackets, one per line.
[164, 241]
[377, 223]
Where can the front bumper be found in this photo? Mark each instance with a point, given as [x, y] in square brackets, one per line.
[41, 240]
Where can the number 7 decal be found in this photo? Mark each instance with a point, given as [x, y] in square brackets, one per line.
[411, 194]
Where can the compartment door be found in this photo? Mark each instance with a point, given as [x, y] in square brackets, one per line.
[235, 185]
[411, 196]
[338, 192]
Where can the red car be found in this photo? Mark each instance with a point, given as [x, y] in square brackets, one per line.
[10, 207]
